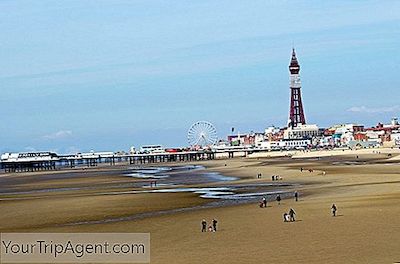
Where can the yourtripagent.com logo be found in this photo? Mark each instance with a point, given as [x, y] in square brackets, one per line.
[75, 248]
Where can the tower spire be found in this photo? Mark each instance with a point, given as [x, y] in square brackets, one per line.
[294, 66]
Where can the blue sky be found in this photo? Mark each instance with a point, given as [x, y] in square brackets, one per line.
[105, 75]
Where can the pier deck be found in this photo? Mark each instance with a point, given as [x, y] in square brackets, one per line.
[53, 162]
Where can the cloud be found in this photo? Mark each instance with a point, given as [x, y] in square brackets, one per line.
[30, 149]
[376, 110]
[72, 150]
[59, 134]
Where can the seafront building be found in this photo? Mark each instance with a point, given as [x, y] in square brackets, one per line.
[299, 135]
[302, 132]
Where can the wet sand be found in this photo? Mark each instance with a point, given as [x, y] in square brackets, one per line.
[365, 189]
[97, 196]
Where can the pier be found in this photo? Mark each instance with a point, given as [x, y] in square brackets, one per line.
[171, 157]
[46, 161]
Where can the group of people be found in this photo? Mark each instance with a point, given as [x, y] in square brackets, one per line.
[287, 216]
[273, 177]
[276, 178]
[309, 170]
[211, 228]
[263, 202]
[290, 216]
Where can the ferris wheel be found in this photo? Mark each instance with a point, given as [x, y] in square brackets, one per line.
[202, 133]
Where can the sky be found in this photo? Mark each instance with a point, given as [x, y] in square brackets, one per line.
[106, 75]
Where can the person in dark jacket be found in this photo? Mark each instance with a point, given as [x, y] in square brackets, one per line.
[214, 224]
[334, 209]
[264, 201]
[278, 199]
[203, 226]
[292, 213]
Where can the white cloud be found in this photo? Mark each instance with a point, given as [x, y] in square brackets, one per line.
[59, 134]
[30, 149]
[376, 110]
[72, 150]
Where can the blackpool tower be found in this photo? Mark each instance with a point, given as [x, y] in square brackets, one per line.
[296, 112]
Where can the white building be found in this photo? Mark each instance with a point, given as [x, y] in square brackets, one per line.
[272, 130]
[284, 144]
[29, 157]
[375, 136]
[271, 145]
[259, 137]
[301, 132]
[394, 122]
[152, 149]
[323, 141]
[346, 137]
[297, 143]
[132, 150]
[395, 137]
[344, 128]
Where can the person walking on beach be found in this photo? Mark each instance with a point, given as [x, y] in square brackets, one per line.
[296, 196]
[264, 201]
[203, 226]
[278, 199]
[214, 224]
[292, 213]
[334, 209]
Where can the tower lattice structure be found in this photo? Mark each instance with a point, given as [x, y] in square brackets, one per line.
[296, 112]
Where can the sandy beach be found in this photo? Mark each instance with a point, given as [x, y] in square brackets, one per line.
[365, 186]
